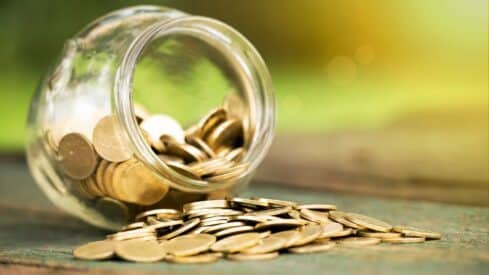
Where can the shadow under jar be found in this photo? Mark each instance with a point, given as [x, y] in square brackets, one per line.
[149, 107]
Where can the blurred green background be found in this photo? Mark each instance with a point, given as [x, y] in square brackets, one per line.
[336, 65]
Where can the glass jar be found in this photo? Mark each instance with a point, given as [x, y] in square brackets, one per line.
[165, 61]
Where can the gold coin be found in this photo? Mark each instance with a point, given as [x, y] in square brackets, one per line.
[183, 170]
[211, 211]
[99, 175]
[139, 185]
[248, 218]
[190, 224]
[279, 223]
[409, 231]
[380, 235]
[109, 141]
[77, 157]
[331, 229]
[92, 187]
[312, 248]
[205, 205]
[108, 178]
[234, 105]
[159, 125]
[201, 145]
[212, 222]
[344, 233]
[314, 216]
[234, 230]
[184, 151]
[140, 251]
[271, 212]
[196, 259]
[227, 134]
[99, 250]
[323, 207]
[168, 158]
[290, 235]
[164, 213]
[188, 245]
[403, 240]
[252, 257]
[278, 203]
[113, 209]
[235, 154]
[269, 244]
[237, 243]
[211, 167]
[219, 227]
[80, 189]
[248, 202]
[134, 225]
[211, 120]
[50, 142]
[358, 241]
[132, 234]
[309, 233]
[229, 173]
[163, 224]
[368, 222]
[339, 216]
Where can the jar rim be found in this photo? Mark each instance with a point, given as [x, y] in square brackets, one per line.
[251, 68]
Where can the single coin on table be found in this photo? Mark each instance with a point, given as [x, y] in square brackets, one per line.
[109, 141]
[252, 257]
[77, 156]
[188, 245]
[312, 247]
[403, 240]
[410, 231]
[98, 250]
[140, 251]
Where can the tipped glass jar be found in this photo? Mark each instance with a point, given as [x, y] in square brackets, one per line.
[149, 107]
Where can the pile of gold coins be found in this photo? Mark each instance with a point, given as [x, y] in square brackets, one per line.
[103, 166]
[243, 229]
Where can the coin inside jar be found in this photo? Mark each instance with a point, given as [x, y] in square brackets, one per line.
[77, 157]
[109, 142]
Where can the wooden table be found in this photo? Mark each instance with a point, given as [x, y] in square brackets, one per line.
[37, 238]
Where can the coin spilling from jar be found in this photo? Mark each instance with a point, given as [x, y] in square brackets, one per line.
[244, 229]
[104, 167]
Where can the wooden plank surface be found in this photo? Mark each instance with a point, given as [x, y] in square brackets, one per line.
[422, 162]
[35, 238]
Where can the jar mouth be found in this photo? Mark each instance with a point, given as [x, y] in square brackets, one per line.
[247, 65]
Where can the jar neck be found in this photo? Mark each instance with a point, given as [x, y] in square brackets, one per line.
[246, 64]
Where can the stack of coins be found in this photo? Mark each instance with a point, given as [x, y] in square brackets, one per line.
[243, 229]
[102, 166]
